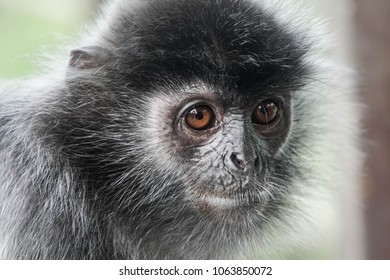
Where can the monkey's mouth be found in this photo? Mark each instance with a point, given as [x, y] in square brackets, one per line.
[224, 201]
[218, 202]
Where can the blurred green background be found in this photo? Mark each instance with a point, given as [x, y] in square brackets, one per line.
[28, 28]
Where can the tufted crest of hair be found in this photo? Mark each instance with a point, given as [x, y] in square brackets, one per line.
[89, 166]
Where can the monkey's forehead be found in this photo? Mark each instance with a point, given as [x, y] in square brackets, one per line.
[232, 43]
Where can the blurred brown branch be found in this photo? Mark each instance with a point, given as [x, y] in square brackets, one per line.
[373, 43]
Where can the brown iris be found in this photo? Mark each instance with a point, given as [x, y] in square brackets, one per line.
[266, 112]
[200, 117]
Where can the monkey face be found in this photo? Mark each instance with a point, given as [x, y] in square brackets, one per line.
[198, 124]
[226, 148]
[217, 99]
[207, 106]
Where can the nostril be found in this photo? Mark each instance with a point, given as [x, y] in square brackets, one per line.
[238, 161]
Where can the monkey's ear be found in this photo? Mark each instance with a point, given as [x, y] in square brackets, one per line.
[89, 57]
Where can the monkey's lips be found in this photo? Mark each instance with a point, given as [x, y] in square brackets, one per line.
[223, 201]
[218, 202]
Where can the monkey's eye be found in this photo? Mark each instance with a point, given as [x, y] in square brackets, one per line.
[200, 117]
[266, 112]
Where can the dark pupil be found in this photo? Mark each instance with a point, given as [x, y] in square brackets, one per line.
[263, 110]
[199, 115]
